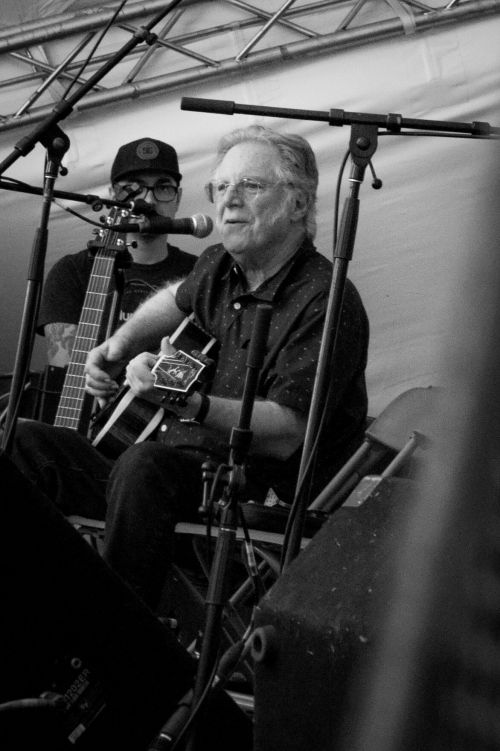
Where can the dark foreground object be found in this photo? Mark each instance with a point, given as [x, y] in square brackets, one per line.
[71, 627]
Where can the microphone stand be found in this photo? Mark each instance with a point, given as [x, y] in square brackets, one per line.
[56, 143]
[65, 106]
[362, 146]
[363, 143]
[96, 202]
[50, 135]
[240, 440]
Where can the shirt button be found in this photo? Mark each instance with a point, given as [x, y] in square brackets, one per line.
[163, 428]
[237, 305]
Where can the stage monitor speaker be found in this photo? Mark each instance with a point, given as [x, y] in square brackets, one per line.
[318, 623]
[71, 628]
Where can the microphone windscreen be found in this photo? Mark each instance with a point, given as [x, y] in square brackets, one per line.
[202, 225]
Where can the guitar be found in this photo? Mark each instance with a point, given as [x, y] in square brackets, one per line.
[75, 404]
[129, 419]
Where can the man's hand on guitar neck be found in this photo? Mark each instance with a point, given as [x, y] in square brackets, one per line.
[104, 363]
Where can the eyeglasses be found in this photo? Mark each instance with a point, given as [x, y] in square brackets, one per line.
[162, 190]
[246, 186]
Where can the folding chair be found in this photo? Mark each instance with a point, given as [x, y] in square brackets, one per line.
[394, 436]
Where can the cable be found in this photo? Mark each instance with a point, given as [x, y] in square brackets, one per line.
[222, 671]
[337, 197]
[92, 51]
[192, 716]
[47, 700]
[222, 468]
[78, 215]
[250, 561]
[306, 475]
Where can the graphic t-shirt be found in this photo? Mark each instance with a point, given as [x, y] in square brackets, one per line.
[64, 289]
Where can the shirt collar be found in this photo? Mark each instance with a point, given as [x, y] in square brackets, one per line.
[269, 287]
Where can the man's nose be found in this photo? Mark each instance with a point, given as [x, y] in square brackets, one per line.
[233, 194]
[148, 196]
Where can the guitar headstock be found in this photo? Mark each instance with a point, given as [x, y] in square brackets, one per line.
[108, 239]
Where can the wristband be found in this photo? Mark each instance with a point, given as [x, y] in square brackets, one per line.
[202, 411]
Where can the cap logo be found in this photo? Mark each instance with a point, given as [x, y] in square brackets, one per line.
[147, 150]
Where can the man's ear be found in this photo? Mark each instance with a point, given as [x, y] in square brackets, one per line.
[301, 205]
[178, 198]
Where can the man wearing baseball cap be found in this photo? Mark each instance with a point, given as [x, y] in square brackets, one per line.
[143, 170]
[145, 155]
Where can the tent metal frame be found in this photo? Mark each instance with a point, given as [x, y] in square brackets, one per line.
[34, 46]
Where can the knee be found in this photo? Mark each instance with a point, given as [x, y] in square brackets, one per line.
[29, 431]
[141, 474]
[149, 475]
[30, 441]
[142, 484]
[141, 460]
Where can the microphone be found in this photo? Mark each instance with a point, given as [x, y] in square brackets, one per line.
[198, 225]
[140, 207]
[218, 106]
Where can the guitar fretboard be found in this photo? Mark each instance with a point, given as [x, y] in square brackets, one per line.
[70, 408]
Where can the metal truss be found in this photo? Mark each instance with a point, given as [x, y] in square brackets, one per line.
[41, 59]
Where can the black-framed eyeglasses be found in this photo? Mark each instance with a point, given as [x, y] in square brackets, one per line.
[162, 190]
[248, 187]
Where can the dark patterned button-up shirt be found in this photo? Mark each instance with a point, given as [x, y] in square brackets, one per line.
[216, 292]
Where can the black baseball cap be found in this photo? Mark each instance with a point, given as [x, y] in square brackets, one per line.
[145, 155]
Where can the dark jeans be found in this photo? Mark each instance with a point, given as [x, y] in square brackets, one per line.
[141, 496]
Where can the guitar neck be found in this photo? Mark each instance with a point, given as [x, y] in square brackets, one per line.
[70, 411]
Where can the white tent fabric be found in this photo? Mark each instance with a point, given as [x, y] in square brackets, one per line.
[414, 235]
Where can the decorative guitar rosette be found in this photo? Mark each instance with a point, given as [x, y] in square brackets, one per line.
[178, 372]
